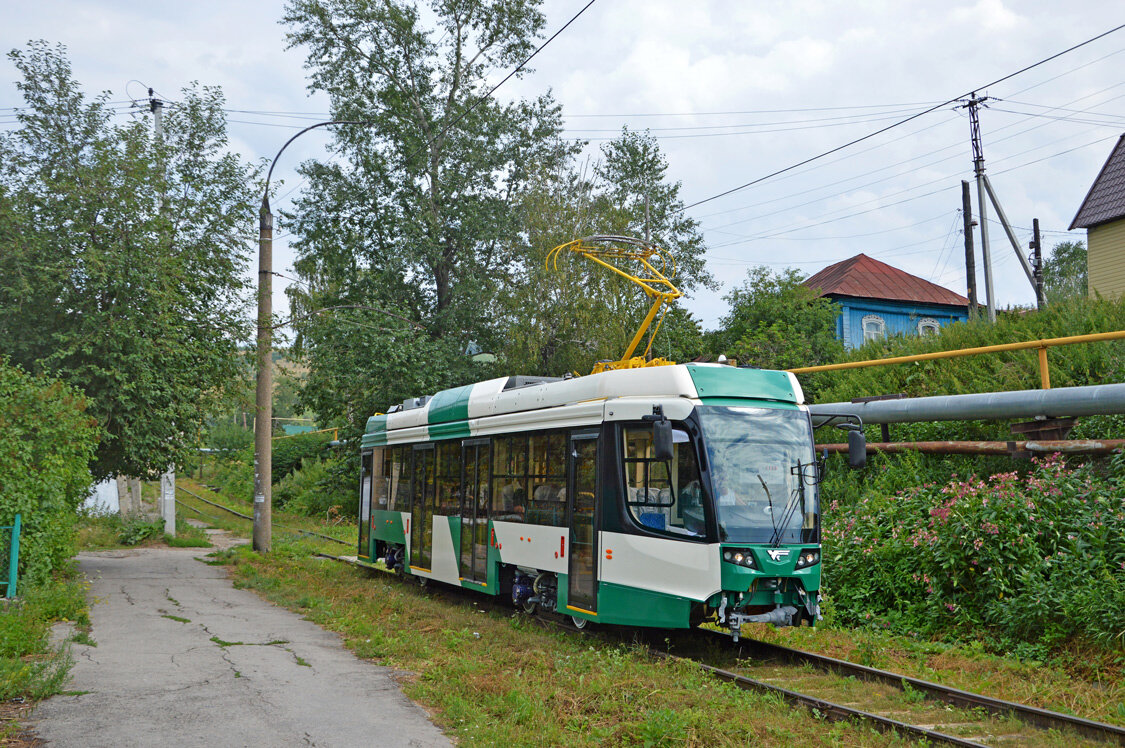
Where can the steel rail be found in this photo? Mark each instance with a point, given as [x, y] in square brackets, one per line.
[1042, 718]
[245, 516]
[827, 709]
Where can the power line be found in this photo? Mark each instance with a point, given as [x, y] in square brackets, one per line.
[867, 118]
[882, 206]
[904, 162]
[958, 144]
[749, 132]
[758, 111]
[904, 121]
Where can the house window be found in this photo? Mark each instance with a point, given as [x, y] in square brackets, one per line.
[928, 326]
[874, 327]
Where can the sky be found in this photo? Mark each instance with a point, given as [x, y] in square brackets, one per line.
[734, 91]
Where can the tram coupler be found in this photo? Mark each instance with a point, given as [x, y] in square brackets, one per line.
[782, 615]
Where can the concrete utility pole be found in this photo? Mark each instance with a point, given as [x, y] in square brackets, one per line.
[1037, 257]
[263, 422]
[168, 500]
[984, 186]
[978, 168]
[263, 433]
[156, 106]
[970, 256]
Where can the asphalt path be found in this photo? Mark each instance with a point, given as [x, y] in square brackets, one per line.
[182, 658]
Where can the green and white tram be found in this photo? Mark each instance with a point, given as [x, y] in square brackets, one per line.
[661, 496]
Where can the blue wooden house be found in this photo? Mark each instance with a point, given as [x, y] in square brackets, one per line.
[877, 300]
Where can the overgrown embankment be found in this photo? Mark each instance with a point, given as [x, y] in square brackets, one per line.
[1027, 561]
[1028, 557]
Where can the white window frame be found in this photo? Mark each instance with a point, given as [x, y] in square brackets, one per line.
[876, 335]
[928, 323]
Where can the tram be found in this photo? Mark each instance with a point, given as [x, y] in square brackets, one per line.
[662, 496]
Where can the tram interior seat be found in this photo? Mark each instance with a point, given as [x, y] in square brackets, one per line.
[659, 515]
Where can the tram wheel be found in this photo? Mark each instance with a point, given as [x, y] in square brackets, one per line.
[579, 623]
[529, 607]
[423, 582]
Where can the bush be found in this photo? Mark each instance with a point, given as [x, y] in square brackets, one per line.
[227, 439]
[316, 489]
[46, 443]
[288, 453]
[1028, 561]
[235, 477]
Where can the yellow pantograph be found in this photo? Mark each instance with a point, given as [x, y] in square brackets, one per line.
[655, 267]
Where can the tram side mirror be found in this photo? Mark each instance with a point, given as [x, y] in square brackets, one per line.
[857, 449]
[662, 440]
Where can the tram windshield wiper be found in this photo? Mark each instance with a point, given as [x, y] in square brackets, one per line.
[779, 530]
[773, 519]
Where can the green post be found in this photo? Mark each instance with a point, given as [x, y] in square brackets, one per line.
[14, 557]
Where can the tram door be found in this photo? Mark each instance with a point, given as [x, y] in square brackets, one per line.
[582, 584]
[474, 510]
[422, 510]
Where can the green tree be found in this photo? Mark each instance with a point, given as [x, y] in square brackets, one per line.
[776, 322]
[567, 316]
[1064, 272]
[123, 259]
[411, 229]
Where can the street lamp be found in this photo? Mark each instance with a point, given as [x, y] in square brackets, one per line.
[263, 424]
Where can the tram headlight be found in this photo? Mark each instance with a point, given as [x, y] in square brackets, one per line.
[808, 557]
[740, 556]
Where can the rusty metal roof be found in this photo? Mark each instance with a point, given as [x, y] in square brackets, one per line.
[1106, 199]
[868, 278]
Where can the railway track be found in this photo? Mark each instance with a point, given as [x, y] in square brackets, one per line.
[957, 718]
[1041, 718]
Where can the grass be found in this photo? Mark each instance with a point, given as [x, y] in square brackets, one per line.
[493, 677]
[29, 668]
[101, 532]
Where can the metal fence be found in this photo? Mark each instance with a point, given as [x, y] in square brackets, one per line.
[12, 532]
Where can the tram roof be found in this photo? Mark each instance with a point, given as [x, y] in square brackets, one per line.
[447, 412]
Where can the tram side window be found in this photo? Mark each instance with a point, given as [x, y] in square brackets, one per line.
[547, 476]
[663, 496]
[509, 478]
[380, 483]
[401, 469]
[448, 502]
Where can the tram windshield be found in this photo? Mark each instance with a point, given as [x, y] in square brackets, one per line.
[763, 473]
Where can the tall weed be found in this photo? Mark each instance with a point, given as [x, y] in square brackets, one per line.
[1035, 559]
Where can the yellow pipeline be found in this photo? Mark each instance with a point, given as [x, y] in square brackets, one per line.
[1041, 345]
